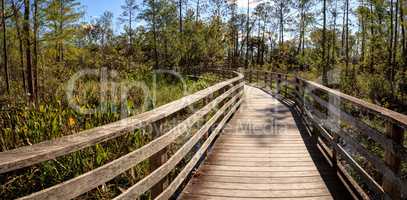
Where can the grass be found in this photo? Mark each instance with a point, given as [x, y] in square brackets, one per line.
[33, 124]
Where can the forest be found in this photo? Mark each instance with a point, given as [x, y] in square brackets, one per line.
[362, 42]
[358, 47]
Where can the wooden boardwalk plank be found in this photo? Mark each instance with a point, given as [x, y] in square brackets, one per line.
[262, 155]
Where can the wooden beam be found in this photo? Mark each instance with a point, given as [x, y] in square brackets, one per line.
[393, 161]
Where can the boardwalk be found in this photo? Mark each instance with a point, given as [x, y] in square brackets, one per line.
[263, 155]
[258, 147]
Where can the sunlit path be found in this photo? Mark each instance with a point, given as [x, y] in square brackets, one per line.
[262, 154]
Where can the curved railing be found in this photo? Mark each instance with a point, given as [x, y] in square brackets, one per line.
[339, 123]
[219, 102]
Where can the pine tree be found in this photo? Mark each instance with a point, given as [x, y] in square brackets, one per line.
[128, 17]
[62, 16]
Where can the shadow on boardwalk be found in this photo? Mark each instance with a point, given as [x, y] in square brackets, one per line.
[265, 152]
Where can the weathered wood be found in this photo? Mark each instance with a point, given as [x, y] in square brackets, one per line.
[378, 163]
[353, 187]
[387, 114]
[393, 161]
[156, 160]
[94, 178]
[378, 137]
[242, 156]
[367, 179]
[278, 87]
[157, 175]
[281, 161]
[187, 169]
[30, 155]
[212, 197]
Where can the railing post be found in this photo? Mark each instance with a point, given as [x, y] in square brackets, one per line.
[334, 118]
[265, 79]
[258, 76]
[393, 161]
[299, 88]
[250, 76]
[278, 83]
[286, 84]
[158, 159]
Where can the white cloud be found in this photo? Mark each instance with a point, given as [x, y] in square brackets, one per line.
[243, 3]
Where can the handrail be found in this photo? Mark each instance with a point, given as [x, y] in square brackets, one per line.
[393, 116]
[336, 134]
[30, 155]
[226, 94]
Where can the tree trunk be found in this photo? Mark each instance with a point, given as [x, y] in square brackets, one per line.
[61, 42]
[347, 38]
[16, 17]
[197, 10]
[391, 33]
[395, 47]
[35, 42]
[334, 34]
[5, 53]
[372, 33]
[155, 35]
[28, 49]
[130, 28]
[263, 43]
[258, 42]
[343, 30]
[247, 34]
[324, 64]
[301, 28]
[403, 32]
[363, 27]
[281, 23]
[180, 16]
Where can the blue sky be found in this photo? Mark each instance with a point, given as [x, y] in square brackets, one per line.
[95, 8]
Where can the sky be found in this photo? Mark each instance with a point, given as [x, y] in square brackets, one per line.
[95, 8]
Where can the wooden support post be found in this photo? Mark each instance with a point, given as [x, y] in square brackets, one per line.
[265, 78]
[286, 84]
[271, 81]
[393, 161]
[334, 145]
[278, 87]
[297, 89]
[334, 119]
[258, 76]
[158, 159]
[250, 76]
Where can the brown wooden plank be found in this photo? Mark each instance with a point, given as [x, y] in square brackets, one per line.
[170, 190]
[264, 151]
[263, 166]
[270, 155]
[393, 116]
[154, 177]
[29, 155]
[270, 174]
[94, 178]
[265, 180]
[258, 186]
[260, 163]
[260, 169]
[211, 197]
[258, 193]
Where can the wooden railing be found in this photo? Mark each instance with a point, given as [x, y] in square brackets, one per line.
[219, 102]
[345, 129]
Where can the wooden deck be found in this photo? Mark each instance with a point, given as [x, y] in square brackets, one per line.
[262, 155]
